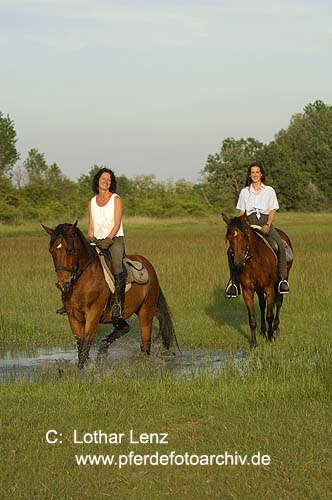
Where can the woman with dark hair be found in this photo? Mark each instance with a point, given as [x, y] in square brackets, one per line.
[106, 231]
[259, 202]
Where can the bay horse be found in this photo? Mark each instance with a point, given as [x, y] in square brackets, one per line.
[86, 294]
[257, 269]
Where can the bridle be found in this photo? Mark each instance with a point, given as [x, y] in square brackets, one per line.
[75, 272]
[246, 255]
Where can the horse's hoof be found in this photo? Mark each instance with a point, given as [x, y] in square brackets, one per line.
[121, 325]
[102, 352]
[83, 363]
[145, 351]
[253, 345]
[101, 357]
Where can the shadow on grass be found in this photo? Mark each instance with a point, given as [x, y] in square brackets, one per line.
[230, 312]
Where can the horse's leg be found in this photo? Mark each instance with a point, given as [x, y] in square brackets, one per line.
[145, 316]
[108, 340]
[262, 306]
[82, 340]
[279, 301]
[248, 296]
[269, 313]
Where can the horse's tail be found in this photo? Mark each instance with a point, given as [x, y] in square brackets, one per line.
[166, 327]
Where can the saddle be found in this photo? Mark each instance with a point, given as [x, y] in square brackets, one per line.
[273, 245]
[135, 271]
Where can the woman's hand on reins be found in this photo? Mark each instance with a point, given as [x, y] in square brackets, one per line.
[91, 239]
[105, 243]
[265, 229]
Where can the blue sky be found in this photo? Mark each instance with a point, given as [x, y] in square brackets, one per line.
[153, 87]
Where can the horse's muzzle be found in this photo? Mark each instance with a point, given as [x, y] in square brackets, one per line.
[64, 287]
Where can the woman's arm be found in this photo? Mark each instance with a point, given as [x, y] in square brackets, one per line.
[266, 228]
[270, 217]
[117, 217]
[90, 226]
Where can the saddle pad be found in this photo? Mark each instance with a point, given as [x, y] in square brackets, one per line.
[107, 273]
[135, 272]
[288, 250]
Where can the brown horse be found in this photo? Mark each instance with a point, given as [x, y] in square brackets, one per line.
[85, 293]
[258, 272]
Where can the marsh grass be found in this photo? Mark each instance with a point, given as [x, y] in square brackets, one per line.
[279, 403]
[279, 408]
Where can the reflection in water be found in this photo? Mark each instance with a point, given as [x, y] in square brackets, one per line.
[191, 361]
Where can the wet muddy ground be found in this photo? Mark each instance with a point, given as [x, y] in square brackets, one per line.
[121, 355]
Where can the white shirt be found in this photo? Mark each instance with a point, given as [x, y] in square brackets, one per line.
[103, 218]
[259, 202]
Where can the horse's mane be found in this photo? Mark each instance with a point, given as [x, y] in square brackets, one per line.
[62, 231]
[237, 223]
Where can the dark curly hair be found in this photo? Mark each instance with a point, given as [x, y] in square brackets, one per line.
[254, 164]
[95, 182]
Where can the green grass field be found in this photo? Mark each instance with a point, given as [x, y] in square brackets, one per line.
[278, 405]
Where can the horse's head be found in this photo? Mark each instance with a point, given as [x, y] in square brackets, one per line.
[238, 237]
[64, 248]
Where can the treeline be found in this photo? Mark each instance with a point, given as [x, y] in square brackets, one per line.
[298, 163]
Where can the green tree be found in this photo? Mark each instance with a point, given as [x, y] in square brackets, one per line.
[84, 182]
[49, 193]
[147, 187]
[8, 152]
[35, 165]
[300, 159]
[125, 187]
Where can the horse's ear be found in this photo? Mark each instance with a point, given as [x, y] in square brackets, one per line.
[226, 218]
[47, 229]
[72, 227]
[243, 217]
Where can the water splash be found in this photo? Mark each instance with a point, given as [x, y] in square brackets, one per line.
[191, 362]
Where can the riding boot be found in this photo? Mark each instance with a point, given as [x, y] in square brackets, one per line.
[233, 289]
[283, 286]
[118, 309]
[61, 310]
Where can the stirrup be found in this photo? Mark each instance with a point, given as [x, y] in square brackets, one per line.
[116, 310]
[232, 291]
[280, 284]
[62, 310]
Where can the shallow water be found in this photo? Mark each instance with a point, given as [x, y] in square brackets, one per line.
[27, 364]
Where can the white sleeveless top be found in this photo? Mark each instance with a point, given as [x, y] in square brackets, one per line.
[103, 218]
